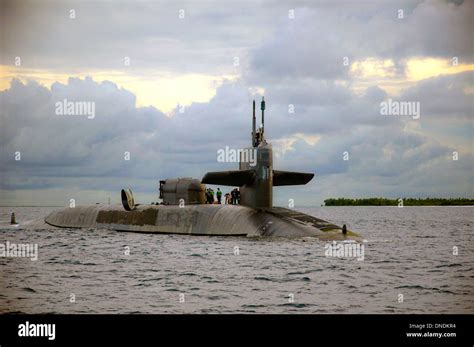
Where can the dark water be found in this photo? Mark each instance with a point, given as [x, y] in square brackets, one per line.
[409, 252]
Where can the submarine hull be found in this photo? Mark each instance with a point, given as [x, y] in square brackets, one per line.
[211, 220]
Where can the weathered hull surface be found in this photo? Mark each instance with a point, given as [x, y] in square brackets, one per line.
[223, 220]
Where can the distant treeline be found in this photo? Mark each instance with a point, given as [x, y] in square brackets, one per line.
[395, 202]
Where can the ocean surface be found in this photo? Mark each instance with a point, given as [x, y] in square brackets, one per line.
[408, 267]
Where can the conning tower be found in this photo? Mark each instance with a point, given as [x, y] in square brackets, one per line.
[256, 179]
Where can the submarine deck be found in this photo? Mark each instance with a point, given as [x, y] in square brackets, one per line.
[219, 220]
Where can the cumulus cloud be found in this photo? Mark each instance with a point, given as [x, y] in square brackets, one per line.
[73, 151]
[448, 98]
[151, 33]
[315, 43]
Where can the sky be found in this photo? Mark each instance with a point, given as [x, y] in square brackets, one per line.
[172, 83]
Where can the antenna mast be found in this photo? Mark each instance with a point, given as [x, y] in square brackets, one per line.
[262, 107]
[254, 120]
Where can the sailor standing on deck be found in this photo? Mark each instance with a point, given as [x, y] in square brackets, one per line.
[211, 191]
[219, 196]
[235, 196]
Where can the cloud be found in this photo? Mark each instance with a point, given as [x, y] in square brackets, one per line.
[73, 151]
[315, 43]
[448, 98]
[152, 34]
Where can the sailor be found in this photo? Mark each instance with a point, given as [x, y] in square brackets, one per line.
[227, 198]
[219, 196]
[344, 230]
[211, 191]
[235, 196]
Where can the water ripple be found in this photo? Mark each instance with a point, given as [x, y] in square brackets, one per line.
[409, 252]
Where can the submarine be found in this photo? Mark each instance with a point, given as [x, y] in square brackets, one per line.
[183, 208]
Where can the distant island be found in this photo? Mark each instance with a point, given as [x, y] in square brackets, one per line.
[394, 202]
